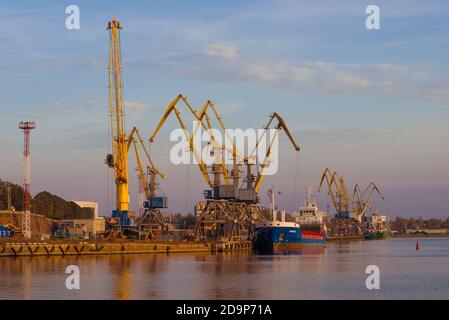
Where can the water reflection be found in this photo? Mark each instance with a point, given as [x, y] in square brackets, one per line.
[334, 271]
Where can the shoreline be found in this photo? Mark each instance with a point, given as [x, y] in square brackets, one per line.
[420, 235]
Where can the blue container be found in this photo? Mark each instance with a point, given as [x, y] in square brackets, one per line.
[6, 232]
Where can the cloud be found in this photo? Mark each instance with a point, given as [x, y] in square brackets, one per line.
[136, 106]
[354, 135]
[89, 138]
[195, 55]
[222, 63]
[54, 110]
[220, 50]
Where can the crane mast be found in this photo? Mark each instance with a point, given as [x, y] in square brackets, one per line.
[118, 160]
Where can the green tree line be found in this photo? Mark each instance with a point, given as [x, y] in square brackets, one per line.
[418, 223]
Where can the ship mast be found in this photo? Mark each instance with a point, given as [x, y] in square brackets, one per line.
[273, 209]
[309, 194]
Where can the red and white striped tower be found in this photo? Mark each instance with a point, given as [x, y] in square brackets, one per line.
[26, 221]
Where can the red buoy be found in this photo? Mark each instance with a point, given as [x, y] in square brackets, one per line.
[417, 245]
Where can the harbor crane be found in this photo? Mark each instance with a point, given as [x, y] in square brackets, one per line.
[346, 222]
[219, 190]
[336, 189]
[118, 159]
[218, 169]
[172, 108]
[362, 200]
[253, 183]
[235, 173]
[147, 181]
[225, 203]
[121, 144]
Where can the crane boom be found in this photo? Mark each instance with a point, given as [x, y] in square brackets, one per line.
[359, 197]
[233, 151]
[172, 108]
[142, 176]
[328, 176]
[203, 114]
[339, 196]
[280, 125]
[152, 166]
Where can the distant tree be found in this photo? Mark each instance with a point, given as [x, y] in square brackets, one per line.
[16, 196]
[432, 223]
[411, 223]
[398, 224]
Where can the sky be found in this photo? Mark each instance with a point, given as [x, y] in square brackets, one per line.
[369, 104]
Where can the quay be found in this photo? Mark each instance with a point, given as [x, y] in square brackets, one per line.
[78, 248]
[346, 238]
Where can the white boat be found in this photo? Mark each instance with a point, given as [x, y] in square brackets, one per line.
[309, 215]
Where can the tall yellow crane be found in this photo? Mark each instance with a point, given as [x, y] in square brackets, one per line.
[118, 160]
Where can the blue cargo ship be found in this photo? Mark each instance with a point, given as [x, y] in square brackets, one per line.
[284, 237]
[276, 236]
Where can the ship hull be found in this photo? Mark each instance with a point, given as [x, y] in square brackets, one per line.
[376, 235]
[281, 239]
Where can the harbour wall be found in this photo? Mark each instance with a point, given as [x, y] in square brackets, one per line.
[18, 249]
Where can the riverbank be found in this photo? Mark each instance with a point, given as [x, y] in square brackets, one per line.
[420, 235]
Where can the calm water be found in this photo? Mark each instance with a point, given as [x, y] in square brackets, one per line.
[335, 272]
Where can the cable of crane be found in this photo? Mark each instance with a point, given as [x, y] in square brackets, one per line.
[188, 186]
[108, 182]
[297, 179]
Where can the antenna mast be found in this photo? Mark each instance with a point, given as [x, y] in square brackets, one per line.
[26, 127]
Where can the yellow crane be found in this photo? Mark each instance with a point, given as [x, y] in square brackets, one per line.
[336, 189]
[362, 200]
[235, 174]
[190, 138]
[220, 168]
[280, 125]
[147, 180]
[254, 183]
[118, 160]
[149, 187]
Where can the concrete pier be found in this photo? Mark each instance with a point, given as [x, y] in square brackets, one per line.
[17, 249]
